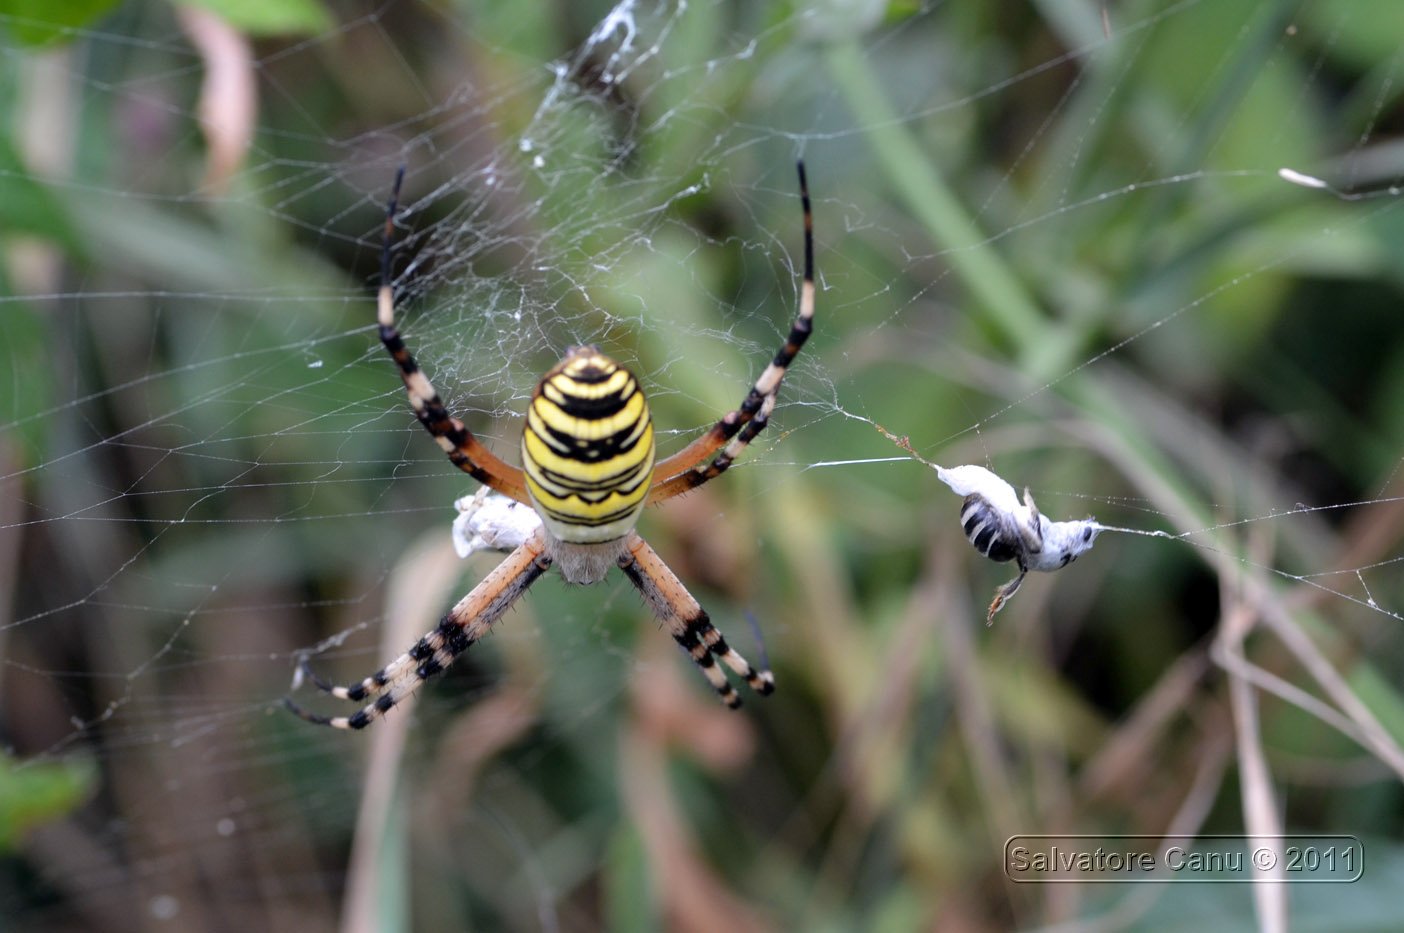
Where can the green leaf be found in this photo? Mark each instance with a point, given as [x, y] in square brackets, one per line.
[269, 17]
[39, 793]
[41, 22]
[26, 390]
[629, 883]
[27, 206]
[1363, 33]
[1380, 695]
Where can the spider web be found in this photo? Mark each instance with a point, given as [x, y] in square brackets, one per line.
[1054, 240]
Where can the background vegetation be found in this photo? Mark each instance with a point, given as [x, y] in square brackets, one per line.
[207, 466]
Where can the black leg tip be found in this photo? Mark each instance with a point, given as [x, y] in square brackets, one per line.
[303, 714]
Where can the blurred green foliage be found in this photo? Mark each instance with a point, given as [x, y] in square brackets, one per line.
[36, 795]
[42, 22]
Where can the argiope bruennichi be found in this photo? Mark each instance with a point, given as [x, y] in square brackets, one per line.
[588, 453]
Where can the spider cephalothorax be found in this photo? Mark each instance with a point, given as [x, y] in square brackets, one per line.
[588, 470]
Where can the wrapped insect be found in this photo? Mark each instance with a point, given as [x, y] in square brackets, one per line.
[1003, 528]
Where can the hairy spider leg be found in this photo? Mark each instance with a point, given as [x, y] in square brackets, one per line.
[688, 622]
[464, 450]
[682, 471]
[460, 627]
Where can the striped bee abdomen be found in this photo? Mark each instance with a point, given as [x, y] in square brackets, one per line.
[987, 529]
[587, 448]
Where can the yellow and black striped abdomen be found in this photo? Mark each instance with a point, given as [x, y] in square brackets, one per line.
[588, 448]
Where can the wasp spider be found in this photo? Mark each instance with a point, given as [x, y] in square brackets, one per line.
[588, 453]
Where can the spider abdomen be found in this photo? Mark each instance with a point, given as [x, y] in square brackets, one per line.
[987, 530]
[587, 449]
